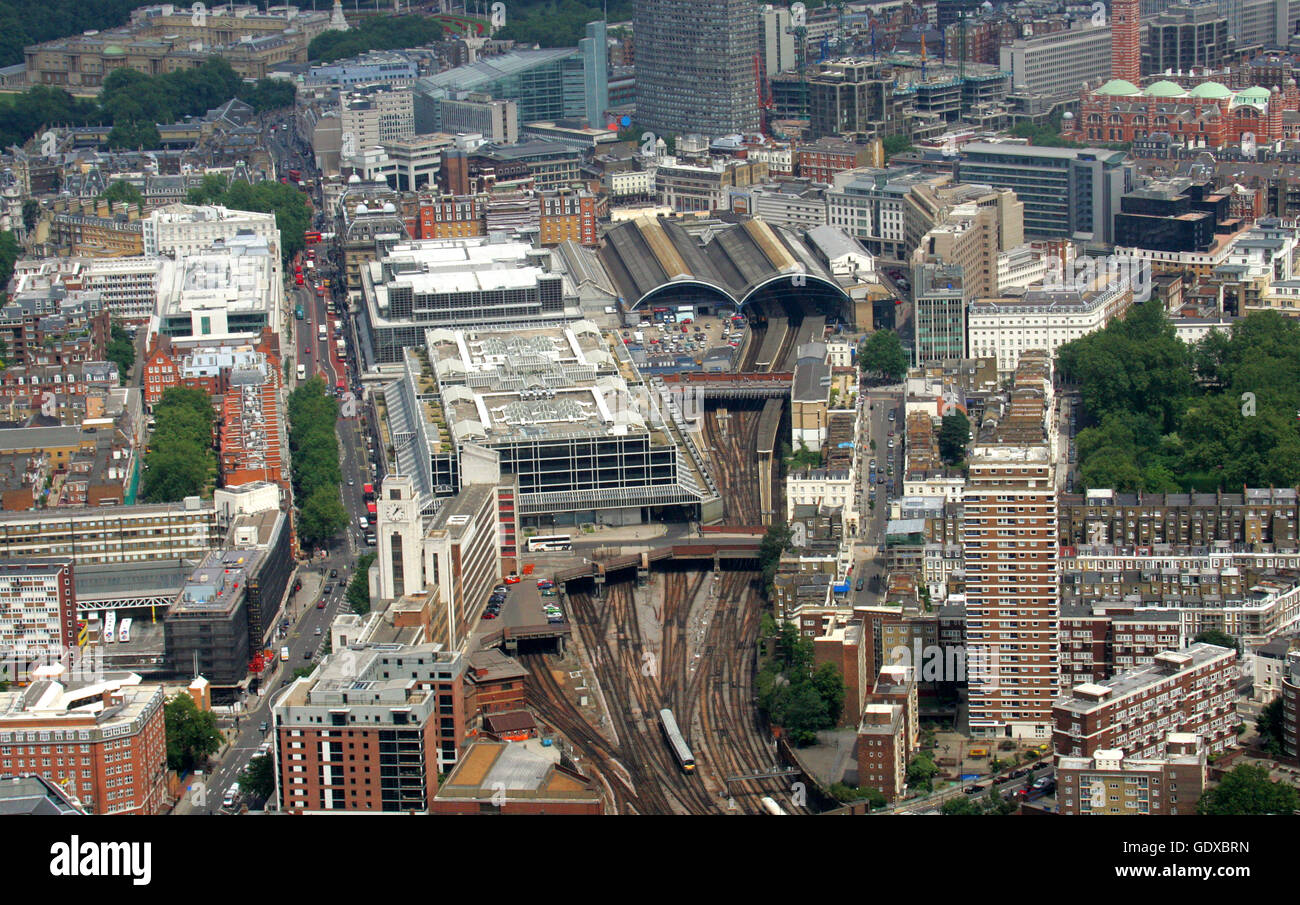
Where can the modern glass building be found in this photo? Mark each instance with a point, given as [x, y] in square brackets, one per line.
[547, 85]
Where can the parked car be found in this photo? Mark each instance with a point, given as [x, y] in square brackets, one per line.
[489, 615]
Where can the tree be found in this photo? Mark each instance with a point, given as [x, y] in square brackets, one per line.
[180, 461]
[882, 355]
[895, 144]
[954, 434]
[775, 542]
[122, 191]
[1269, 726]
[359, 585]
[1214, 636]
[830, 686]
[9, 253]
[192, 734]
[258, 778]
[959, 807]
[1247, 790]
[323, 516]
[121, 351]
[921, 771]
[31, 213]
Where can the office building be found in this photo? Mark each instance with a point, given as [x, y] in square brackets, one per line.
[446, 282]
[1056, 64]
[1012, 579]
[1005, 327]
[940, 298]
[594, 49]
[478, 113]
[112, 534]
[971, 226]
[230, 291]
[370, 730]
[583, 448]
[1190, 690]
[100, 740]
[709, 46]
[184, 229]
[1067, 193]
[1112, 784]
[1183, 37]
[549, 84]
[372, 116]
[776, 40]
[376, 67]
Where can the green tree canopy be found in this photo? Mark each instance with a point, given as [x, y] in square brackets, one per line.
[1247, 790]
[192, 734]
[1214, 636]
[359, 585]
[954, 434]
[258, 778]
[121, 351]
[181, 460]
[882, 355]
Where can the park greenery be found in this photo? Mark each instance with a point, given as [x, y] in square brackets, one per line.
[290, 206]
[1048, 135]
[25, 22]
[921, 771]
[316, 473]
[180, 461]
[882, 356]
[1248, 791]
[1214, 636]
[791, 693]
[258, 778]
[558, 23]
[1167, 416]
[954, 434]
[804, 458]
[374, 33]
[895, 144]
[845, 794]
[359, 586]
[192, 734]
[9, 252]
[134, 103]
[121, 351]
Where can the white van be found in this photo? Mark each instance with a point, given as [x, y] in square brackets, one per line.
[639, 336]
[363, 523]
[302, 372]
[232, 794]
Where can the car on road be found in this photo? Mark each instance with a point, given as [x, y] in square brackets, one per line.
[320, 604]
[512, 578]
[263, 727]
[328, 589]
[862, 581]
[306, 655]
[334, 573]
[318, 630]
[973, 790]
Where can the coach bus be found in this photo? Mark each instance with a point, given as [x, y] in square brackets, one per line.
[546, 543]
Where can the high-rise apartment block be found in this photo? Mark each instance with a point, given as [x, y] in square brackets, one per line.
[1012, 575]
[695, 66]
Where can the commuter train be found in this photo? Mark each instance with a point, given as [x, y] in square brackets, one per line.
[676, 741]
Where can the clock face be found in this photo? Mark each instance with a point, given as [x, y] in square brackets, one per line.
[396, 512]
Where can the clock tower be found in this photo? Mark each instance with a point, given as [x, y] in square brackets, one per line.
[399, 538]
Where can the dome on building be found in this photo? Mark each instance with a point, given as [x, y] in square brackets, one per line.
[1210, 90]
[114, 50]
[1256, 96]
[1118, 88]
[1164, 89]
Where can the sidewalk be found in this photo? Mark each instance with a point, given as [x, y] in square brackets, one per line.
[604, 533]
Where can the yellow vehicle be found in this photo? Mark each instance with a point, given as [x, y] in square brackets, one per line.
[978, 752]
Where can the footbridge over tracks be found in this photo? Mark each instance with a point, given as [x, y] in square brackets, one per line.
[739, 552]
[710, 386]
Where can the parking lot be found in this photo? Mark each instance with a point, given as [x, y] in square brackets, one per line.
[524, 603]
[680, 334]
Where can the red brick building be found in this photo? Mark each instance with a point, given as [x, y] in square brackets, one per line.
[370, 730]
[822, 159]
[1190, 690]
[882, 750]
[1208, 115]
[515, 778]
[1109, 783]
[103, 742]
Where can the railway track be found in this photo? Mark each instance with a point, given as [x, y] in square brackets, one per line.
[700, 663]
[733, 447]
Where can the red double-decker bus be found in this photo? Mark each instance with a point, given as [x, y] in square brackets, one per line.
[368, 491]
[311, 236]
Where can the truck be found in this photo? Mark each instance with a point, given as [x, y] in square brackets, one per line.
[342, 348]
[320, 332]
[302, 372]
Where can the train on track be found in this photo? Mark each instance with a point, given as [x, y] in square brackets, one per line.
[771, 807]
[676, 741]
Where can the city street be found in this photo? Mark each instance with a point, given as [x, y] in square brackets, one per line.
[871, 566]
